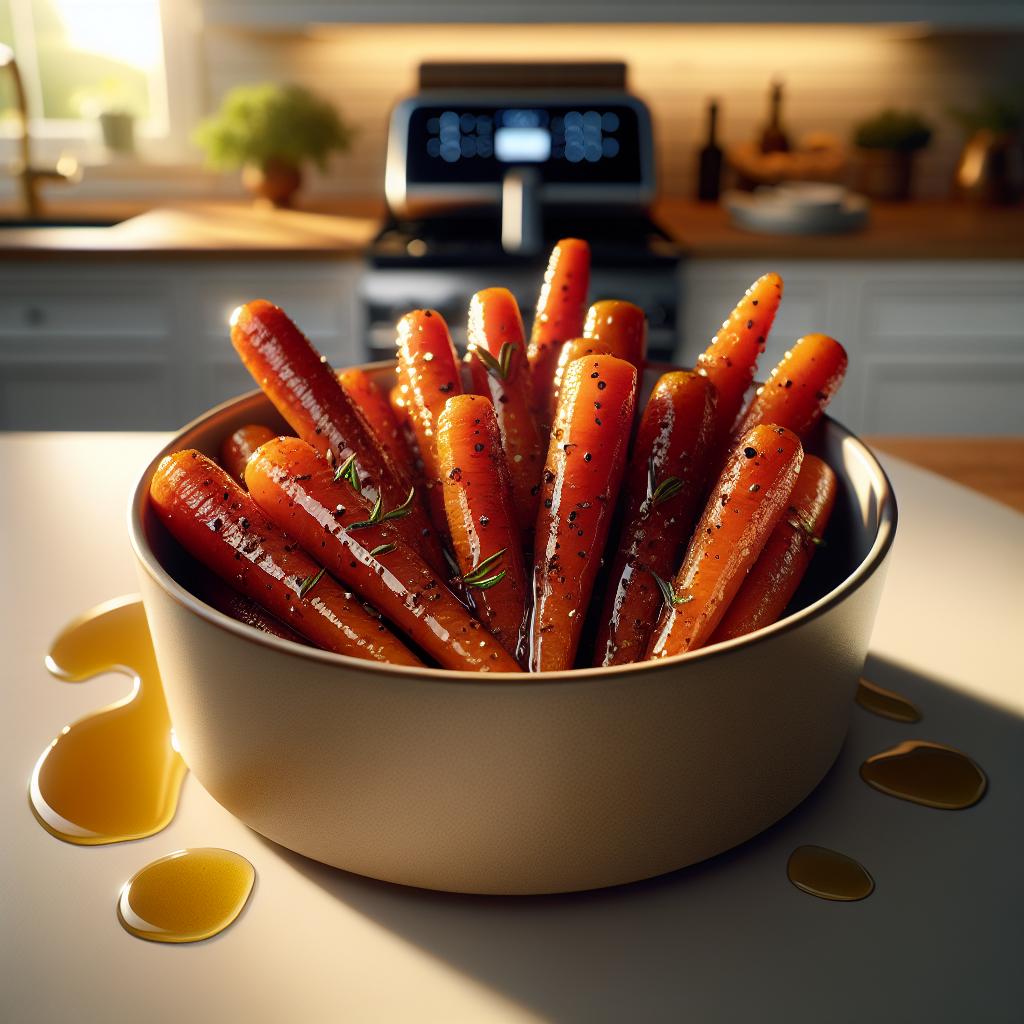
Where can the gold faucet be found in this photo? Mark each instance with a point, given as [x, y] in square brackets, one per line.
[67, 169]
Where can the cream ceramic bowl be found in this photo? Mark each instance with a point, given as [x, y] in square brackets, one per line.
[518, 784]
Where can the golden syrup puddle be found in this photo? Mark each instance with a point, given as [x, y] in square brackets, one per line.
[886, 703]
[828, 874]
[186, 897]
[926, 773]
[115, 774]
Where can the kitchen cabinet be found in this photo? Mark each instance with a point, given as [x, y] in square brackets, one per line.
[935, 347]
[123, 345]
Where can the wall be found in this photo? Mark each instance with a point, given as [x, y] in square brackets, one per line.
[834, 76]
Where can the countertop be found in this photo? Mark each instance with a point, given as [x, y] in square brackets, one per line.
[726, 940]
[343, 228]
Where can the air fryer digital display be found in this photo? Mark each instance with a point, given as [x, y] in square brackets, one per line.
[566, 143]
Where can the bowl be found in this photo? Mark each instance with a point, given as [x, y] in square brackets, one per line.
[517, 784]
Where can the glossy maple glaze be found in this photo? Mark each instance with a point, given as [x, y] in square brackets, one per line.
[239, 445]
[217, 523]
[481, 515]
[744, 507]
[672, 449]
[582, 478]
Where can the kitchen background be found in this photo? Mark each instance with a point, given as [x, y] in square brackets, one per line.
[123, 326]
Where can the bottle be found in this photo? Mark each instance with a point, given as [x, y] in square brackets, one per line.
[774, 138]
[709, 160]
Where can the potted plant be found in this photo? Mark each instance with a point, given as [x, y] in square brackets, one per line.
[270, 131]
[991, 164]
[887, 144]
[113, 107]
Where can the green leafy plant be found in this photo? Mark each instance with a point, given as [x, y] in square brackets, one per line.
[901, 130]
[260, 123]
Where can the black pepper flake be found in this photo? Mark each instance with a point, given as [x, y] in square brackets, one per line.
[572, 517]
[445, 388]
[754, 488]
[601, 385]
[216, 524]
[547, 503]
[581, 554]
[427, 313]
[226, 495]
[244, 523]
[535, 490]
[750, 323]
[788, 384]
[484, 521]
[206, 483]
[587, 457]
[754, 302]
[749, 452]
[594, 376]
[478, 447]
[597, 420]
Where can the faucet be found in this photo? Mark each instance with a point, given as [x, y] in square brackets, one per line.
[67, 169]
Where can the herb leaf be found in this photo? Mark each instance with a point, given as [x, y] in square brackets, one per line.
[658, 493]
[490, 581]
[375, 516]
[349, 471]
[799, 522]
[404, 509]
[382, 549]
[477, 576]
[499, 367]
[667, 592]
[309, 583]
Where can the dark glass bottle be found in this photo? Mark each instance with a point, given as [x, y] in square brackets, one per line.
[709, 160]
[773, 137]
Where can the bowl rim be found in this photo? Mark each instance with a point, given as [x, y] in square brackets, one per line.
[866, 568]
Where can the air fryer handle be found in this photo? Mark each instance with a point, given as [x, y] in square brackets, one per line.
[521, 222]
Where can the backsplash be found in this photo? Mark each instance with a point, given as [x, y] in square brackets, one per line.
[834, 76]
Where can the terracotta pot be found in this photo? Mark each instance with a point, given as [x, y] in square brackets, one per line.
[510, 783]
[885, 174]
[274, 181]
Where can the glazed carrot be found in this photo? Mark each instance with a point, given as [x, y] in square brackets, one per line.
[574, 348]
[745, 505]
[217, 523]
[665, 482]
[214, 591]
[236, 448]
[378, 417]
[799, 388]
[581, 482]
[295, 487]
[730, 360]
[497, 360]
[560, 308]
[429, 375]
[622, 327]
[777, 573]
[305, 390]
[482, 521]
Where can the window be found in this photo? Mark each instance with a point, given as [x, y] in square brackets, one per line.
[81, 58]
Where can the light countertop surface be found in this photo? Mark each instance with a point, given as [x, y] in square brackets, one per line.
[727, 940]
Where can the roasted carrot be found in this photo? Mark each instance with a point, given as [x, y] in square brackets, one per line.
[378, 418]
[482, 521]
[428, 370]
[777, 573]
[582, 477]
[500, 371]
[622, 327]
[730, 360]
[559, 317]
[217, 523]
[571, 350]
[799, 388]
[664, 485]
[745, 505]
[295, 487]
[237, 447]
[214, 591]
[305, 390]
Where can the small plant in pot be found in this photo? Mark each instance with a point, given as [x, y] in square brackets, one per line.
[270, 131]
[991, 165]
[887, 144]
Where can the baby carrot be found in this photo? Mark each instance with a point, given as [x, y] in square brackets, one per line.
[730, 360]
[378, 418]
[574, 348]
[560, 308]
[236, 448]
[664, 485]
[360, 546]
[214, 591]
[497, 360]
[305, 390]
[622, 327]
[799, 388]
[482, 522]
[745, 505]
[777, 573]
[217, 523]
[429, 375]
[581, 482]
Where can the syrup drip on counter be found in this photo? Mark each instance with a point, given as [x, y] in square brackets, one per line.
[186, 897]
[115, 774]
[926, 773]
[828, 874]
[886, 703]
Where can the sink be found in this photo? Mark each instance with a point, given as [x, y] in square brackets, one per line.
[53, 222]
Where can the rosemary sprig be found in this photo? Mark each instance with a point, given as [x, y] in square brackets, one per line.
[477, 576]
[376, 516]
[404, 509]
[499, 367]
[658, 493]
[349, 471]
[382, 549]
[798, 522]
[667, 593]
[309, 583]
